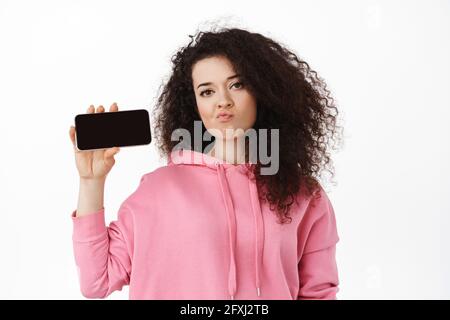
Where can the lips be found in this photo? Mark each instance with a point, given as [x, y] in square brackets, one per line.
[224, 117]
[223, 114]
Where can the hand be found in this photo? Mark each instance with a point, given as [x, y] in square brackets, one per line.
[94, 164]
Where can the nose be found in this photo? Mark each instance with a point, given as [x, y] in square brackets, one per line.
[225, 101]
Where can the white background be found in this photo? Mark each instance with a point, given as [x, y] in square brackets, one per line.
[386, 63]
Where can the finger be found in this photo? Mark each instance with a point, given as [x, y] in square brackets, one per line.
[109, 155]
[114, 107]
[111, 152]
[91, 109]
[72, 137]
[72, 134]
[100, 108]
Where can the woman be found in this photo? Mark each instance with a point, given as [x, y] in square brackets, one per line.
[210, 224]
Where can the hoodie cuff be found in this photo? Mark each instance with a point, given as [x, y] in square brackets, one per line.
[89, 227]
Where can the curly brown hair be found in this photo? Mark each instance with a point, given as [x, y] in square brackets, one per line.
[290, 97]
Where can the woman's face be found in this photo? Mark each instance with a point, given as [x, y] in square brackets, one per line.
[218, 90]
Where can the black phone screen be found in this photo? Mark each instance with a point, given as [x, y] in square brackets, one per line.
[112, 129]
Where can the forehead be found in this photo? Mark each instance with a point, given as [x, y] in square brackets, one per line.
[212, 69]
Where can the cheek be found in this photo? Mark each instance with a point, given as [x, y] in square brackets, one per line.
[249, 112]
[206, 112]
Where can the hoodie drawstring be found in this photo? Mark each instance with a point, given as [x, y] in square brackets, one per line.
[259, 231]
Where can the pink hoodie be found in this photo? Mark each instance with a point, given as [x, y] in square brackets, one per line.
[195, 229]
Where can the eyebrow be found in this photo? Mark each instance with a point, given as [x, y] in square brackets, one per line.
[208, 83]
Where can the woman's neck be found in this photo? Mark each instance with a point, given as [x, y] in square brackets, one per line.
[230, 151]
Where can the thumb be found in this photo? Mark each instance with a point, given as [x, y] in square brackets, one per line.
[109, 155]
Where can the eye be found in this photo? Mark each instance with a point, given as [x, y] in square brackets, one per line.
[201, 93]
[209, 90]
[240, 83]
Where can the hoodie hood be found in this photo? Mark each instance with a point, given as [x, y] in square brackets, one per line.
[190, 157]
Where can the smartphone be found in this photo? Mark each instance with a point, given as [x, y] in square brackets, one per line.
[112, 129]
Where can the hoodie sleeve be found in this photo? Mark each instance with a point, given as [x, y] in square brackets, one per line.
[318, 272]
[103, 253]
